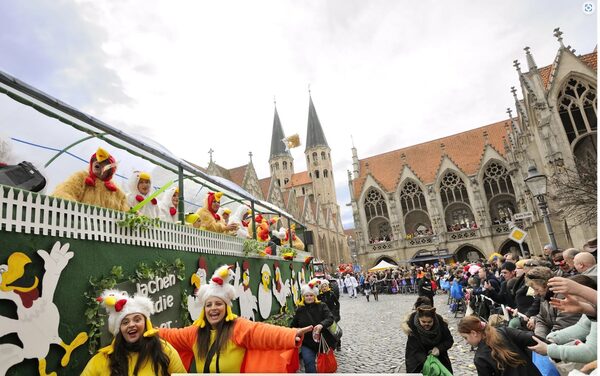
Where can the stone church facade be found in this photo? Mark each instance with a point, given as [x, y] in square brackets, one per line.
[307, 195]
[452, 198]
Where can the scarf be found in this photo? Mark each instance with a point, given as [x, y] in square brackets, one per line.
[429, 338]
[133, 347]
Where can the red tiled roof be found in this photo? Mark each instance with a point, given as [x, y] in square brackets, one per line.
[464, 149]
[264, 186]
[299, 178]
[591, 60]
[350, 232]
[237, 174]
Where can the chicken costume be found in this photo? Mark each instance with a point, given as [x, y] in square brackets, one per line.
[296, 242]
[118, 305]
[167, 209]
[84, 187]
[209, 219]
[252, 347]
[134, 196]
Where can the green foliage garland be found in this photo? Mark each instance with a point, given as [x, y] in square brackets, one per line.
[140, 222]
[95, 317]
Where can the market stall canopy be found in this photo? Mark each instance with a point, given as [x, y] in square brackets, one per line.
[383, 265]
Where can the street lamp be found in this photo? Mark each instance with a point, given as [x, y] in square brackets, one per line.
[538, 185]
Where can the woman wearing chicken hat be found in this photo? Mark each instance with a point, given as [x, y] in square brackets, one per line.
[168, 205]
[312, 312]
[140, 185]
[221, 342]
[136, 348]
[83, 186]
[209, 219]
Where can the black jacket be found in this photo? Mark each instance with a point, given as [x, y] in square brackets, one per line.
[504, 296]
[425, 288]
[417, 351]
[515, 340]
[522, 300]
[314, 314]
[332, 302]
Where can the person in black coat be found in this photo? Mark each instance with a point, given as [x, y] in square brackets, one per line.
[312, 312]
[427, 334]
[425, 287]
[327, 296]
[500, 351]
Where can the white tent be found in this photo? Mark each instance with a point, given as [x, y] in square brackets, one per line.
[382, 266]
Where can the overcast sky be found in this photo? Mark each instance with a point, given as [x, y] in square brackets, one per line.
[195, 75]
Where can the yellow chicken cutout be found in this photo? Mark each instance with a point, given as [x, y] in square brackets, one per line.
[38, 317]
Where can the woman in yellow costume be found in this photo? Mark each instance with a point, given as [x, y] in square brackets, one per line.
[296, 242]
[221, 342]
[136, 348]
[209, 219]
[83, 187]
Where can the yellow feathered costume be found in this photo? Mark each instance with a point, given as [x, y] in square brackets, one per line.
[83, 186]
[210, 220]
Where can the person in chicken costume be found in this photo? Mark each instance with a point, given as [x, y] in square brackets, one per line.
[136, 348]
[221, 342]
[140, 185]
[296, 242]
[84, 187]
[209, 219]
[169, 204]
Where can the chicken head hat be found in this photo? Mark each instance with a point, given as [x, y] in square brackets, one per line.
[219, 287]
[119, 304]
[312, 287]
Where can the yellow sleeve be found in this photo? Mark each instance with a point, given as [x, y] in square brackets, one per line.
[97, 366]
[175, 364]
[72, 188]
[208, 221]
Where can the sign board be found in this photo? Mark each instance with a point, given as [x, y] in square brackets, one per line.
[517, 235]
[523, 215]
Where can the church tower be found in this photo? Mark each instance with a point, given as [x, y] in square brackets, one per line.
[280, 160]
[318, 161]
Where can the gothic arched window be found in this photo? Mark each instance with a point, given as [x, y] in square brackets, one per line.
[375, 205]
[317, 174]
[411, 197]
[496, 180]
[325, 173]
[577, 107]
[453, 189]
[285, 181]
[276, 165]
[284, 165]
[314, 155]
[323, 157]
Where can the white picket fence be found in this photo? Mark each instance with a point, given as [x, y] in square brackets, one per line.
[31, 213]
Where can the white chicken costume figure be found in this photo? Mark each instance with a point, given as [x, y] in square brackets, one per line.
[246, 299]
[135, 195]
[265, 298]
[238, 218]
[197, 280]
[281, 289]
[295, 287]
[38, 318]
[218, 286]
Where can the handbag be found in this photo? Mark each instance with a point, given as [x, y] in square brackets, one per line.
[335, 330]
[24, 176]
[433, 367]
[326, 362]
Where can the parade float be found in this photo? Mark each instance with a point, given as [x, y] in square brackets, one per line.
[57, 255]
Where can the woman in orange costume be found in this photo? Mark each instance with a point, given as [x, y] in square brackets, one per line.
[221, 342]
[209, 219]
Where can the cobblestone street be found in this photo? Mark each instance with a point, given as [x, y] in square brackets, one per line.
[374, 342]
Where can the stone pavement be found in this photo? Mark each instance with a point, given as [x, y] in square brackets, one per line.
[373, 341]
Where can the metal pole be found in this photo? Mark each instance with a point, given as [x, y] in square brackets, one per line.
[253, 222]
[544, 209]
[181, 205]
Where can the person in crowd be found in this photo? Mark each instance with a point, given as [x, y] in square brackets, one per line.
[169, 205]
[328, 296]
[585, 263]
[569, 255]
[486, 276]
[220, 342]
[505, 295]
[374, 283]
[350, 282]
[591, 246]
[425, 287]
[140, 184]
[84, 187]
[136, 348]
[500, 351]
[314, 314]
[511, 257]
[562, 269]
[210, 220]
[427, 333]
[549, 319]
[576, 343]
[547, 252]
[577, 298]
[525, 302]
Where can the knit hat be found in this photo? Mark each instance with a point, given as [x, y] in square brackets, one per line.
[119, 304]
[219, 287]
[311, 287]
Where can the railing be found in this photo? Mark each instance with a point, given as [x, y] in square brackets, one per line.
[375, 247]
[500, 229]
[463, 234]
[421, 240]
[31, 213]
